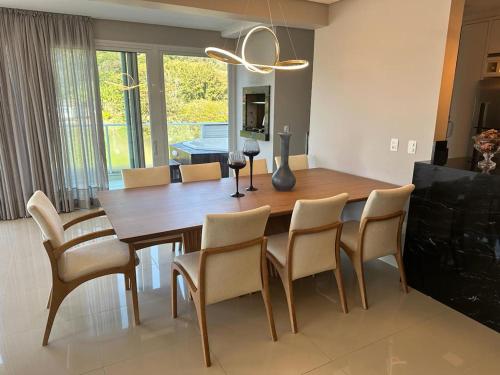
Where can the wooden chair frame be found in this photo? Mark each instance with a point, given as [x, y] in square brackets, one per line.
[139, 245]
[198, 294]
[357, 256]
[285, 271]
[60, 289]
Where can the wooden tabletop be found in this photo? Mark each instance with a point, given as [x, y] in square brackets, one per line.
[146, 213]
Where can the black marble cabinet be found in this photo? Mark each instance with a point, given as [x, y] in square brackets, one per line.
[452, 248]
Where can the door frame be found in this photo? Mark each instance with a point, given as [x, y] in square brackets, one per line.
[156, 93]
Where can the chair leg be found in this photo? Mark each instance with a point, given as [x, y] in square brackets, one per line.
[127, 282]
[358, 267]
[267, 301]
[288, 286]
[340, 286]
[50, 298]
[202, 322]
[55, 301]
[173, 292]
[402, 275]
[135, 301]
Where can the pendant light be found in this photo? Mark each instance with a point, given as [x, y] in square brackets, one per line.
[232, 58]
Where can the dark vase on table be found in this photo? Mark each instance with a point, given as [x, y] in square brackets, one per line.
[283, 179]
[236, 161]
[251, 149]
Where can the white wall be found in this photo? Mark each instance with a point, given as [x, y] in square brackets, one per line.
[377, 74]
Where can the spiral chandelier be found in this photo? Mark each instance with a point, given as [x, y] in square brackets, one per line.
[232, 58]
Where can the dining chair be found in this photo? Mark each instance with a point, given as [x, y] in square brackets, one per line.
[310, 247]
[142, 177]
[378, 233]
[147, 177]
[200, 172]
[231, 263]
[296, 162]
[259, 167]
[73, 265]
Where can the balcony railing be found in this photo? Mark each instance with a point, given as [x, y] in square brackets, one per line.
[117, 142]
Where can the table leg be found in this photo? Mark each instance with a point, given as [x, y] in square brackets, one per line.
[191, 240]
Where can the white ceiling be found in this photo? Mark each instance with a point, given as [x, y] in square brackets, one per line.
[134, 12]
[129, 12]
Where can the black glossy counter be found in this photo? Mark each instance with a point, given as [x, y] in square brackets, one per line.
[452, 248]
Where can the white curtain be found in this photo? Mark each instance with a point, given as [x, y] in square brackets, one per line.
[51, 135]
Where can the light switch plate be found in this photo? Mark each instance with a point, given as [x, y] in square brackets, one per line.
[394, 144]
[412, 147]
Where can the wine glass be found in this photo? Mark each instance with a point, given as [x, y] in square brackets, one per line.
[251, 148]
[236, 161]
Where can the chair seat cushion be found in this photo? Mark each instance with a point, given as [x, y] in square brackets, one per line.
[96, 256]
[277, 245]
[349, 237]
[191, 263]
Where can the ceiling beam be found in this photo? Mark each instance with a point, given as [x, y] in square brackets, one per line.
[297, 13]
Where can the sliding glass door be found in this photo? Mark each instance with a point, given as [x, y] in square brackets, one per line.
[196, 96]
[161, 108]
[125, 111]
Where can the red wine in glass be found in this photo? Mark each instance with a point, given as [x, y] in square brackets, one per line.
[236, 161]
[251, 149]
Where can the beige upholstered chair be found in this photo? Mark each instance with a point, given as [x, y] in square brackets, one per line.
[144, 177]
[259, 167]
[200, 172]
[72, 266]
[378, 233]
[231, 263]
[295, 162]
[141, 177]
[311, 246]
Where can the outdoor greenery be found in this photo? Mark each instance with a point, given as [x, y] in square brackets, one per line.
[195, 89]
[195, 93]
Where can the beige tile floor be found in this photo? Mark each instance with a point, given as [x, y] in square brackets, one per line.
[94, 332]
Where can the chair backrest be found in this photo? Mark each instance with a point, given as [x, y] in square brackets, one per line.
[295, 162]
[142, 177]
[381, 221]
[313, 239]
[232, 273]
[259, 167]
[200, 172]
[45, 215]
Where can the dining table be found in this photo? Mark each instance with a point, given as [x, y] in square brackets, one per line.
[151, 214]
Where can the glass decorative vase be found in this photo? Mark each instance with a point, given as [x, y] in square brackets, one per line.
[488, 144]
[283, 179]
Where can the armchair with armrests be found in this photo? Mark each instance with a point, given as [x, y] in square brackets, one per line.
[73, 265]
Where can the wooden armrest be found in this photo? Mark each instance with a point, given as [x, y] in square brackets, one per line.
[78, 240]
[85, 217]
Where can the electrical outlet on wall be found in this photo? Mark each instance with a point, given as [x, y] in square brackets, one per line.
[394, 144]
[412, 147]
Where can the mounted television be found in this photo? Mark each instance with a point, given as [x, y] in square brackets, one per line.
[256, 111]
